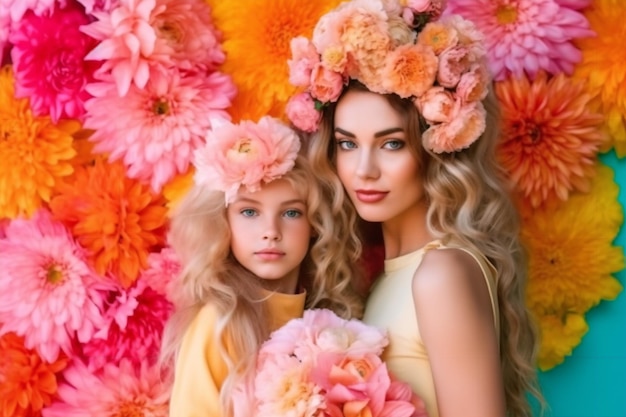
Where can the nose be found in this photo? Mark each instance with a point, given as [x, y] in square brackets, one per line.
[272, 230]
[367, 166]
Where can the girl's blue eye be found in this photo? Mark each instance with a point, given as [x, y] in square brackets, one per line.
[394, 144]
[346, 144]
[248, 212]
[292, 213]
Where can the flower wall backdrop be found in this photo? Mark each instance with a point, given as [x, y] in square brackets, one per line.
[102, 103]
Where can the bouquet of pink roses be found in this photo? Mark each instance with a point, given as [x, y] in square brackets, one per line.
[324, 366]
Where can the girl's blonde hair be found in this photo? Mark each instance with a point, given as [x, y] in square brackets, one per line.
[200, 236]
[469, 201]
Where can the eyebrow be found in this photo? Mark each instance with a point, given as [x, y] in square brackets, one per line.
[284, 203]
[376, 135]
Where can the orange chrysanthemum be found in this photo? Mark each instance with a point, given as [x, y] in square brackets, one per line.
[603, 67]
[118, 220]
[34, 151]
[572, 262]
[550, 140]
[257, 38]
[27, 383]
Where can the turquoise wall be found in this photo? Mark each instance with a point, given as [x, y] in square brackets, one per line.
[592, 381]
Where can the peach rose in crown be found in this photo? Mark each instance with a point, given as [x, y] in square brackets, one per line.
[467, 123]
[304, 58]
[437, 105]
[326, 85]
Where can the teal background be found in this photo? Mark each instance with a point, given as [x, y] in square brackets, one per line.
[592, 381]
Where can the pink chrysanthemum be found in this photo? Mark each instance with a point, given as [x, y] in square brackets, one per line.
[99, 5]
[16, 9]
[526, 36]
[48, 61]
[136, 320]
[5, 30]
[49, 294]
[129, 44]
[119, 391]
[187, 29]
[155, 130]
[162, 272]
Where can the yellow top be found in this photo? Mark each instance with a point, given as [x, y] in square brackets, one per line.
[200, 370]
[390, 307]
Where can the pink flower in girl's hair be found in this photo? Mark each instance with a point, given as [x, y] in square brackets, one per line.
[248, 154]
[302, 112]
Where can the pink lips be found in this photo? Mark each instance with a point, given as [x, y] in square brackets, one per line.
[370, 196]
[270, 254]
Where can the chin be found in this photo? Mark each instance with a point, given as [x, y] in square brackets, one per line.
[373, 214]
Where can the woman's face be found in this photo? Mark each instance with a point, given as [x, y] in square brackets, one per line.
[378, 170]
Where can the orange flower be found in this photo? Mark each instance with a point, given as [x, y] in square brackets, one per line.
[257, 56]
[550, 139]
[118, 220]
[410, 70]
[27, 383]
[34, 151]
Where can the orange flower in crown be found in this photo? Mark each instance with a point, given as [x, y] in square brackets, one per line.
[247, 155]
[401, 47]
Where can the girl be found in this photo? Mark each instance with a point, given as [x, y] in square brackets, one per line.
[409, 134]
[257, 243]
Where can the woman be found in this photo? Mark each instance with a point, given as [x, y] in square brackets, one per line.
[406, 127]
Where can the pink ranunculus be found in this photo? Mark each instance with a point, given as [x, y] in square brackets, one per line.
[303, 58]
[453, 63]
[436, 105]
[326, 85]
[48, 60]
[464, 128]
[302, 113]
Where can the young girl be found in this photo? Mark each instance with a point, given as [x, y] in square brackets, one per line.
[408, 133]
[257, 243]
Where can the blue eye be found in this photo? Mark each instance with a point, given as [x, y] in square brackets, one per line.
[248, 212]
[346, 144]
[292, 213]
[393, 144]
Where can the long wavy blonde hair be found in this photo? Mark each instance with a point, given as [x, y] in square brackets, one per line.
[469, 201]
[200, 236]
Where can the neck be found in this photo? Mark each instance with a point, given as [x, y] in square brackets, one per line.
[406, 233]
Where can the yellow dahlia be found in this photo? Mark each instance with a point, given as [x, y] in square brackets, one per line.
[118, 220]
[550, 139]
[559, 336]
[572, 259]
[257, 36]
[603, 67]
[35, 152]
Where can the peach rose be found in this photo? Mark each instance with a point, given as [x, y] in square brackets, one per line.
[326, 85]
[438, 36]
[304, 58]
[465, 128]
[436, 105]
[302, 113]
[474, 84]
[453, 63]
[409, 70]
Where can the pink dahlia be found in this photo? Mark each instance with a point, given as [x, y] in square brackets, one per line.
[155, 129]
[187, 29]
[49, 294]
[119, 391]
[48, 61]
[162, 272]
[16, 9]
[526, 36]
[99, 5]
[129, 44]
[136, 318]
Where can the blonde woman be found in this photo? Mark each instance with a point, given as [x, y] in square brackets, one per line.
[397, 102]
[258, 244]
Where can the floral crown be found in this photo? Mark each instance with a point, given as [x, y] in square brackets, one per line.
[396, 46]
[247, 154]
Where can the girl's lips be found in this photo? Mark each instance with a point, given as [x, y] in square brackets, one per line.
[370, 196]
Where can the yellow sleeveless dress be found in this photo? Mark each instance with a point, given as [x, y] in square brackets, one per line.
[390, 307]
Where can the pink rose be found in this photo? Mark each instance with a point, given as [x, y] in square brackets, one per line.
[302, 112]
[436, 105]
[474, 84]
[465, 126]
[453, 63]
[304, 58]
[326, 85]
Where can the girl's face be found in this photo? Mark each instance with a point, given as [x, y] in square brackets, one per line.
[375, 165]
[270, 233]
